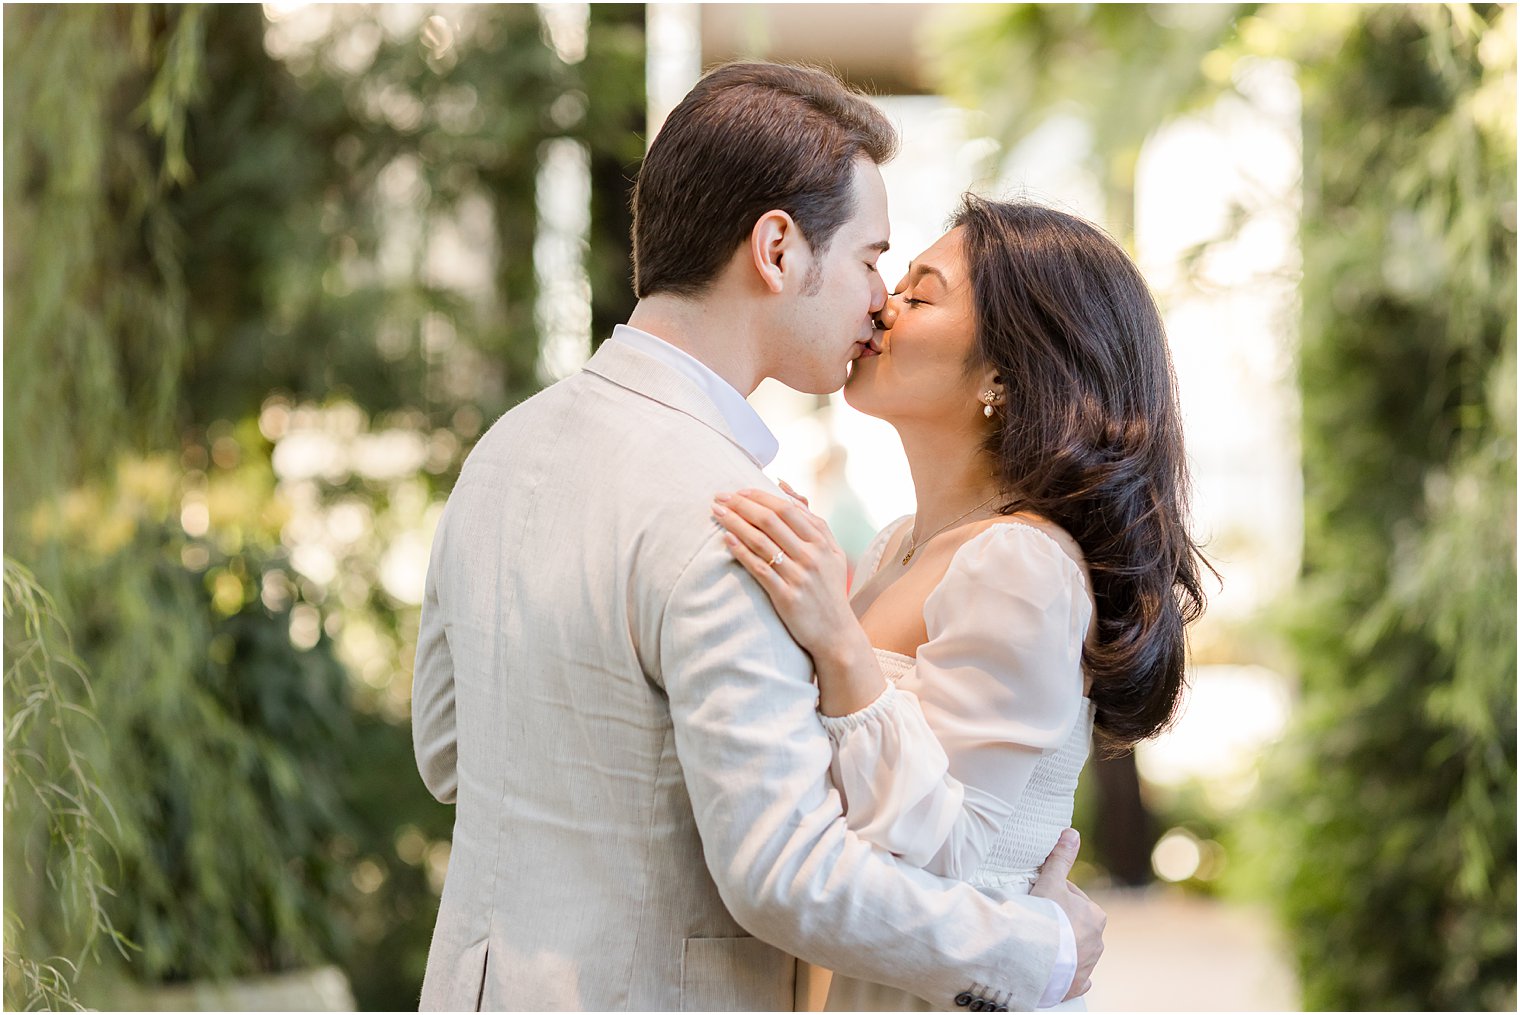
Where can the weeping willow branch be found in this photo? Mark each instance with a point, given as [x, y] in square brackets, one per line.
[53, 802]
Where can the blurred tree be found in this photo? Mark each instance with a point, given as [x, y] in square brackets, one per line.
[1124, 69]
[190, 772]
[615, 134]
[95, 308]
[224, 226]
[1395, 800]
[328, 180]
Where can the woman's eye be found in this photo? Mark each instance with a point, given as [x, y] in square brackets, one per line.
[910, 301]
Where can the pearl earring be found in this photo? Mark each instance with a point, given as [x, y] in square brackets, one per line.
[989, 396]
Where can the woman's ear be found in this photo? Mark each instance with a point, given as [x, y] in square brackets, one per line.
[992, 386]
[775, 245]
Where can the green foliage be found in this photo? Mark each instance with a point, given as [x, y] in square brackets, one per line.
[61, 823]
[216, 746]
[223, 741]
[1123, 68]
[321, 184]
[95, 295]
[220, 817]
[401, 851]
[1396, 798]
[231, 230]
[328, 186]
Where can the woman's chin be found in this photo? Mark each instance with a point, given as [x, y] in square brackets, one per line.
[857, 389]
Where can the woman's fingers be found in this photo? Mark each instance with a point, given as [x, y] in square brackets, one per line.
[807, 582]
[763, 572]
[796, 515]
[788, 532]
[795, 512]
[801, 518]
[750, 536]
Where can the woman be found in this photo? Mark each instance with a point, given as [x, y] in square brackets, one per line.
[1042, 588]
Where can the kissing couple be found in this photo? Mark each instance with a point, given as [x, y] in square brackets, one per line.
[689, 771]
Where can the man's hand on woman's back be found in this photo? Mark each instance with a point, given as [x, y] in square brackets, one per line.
[1087, 919]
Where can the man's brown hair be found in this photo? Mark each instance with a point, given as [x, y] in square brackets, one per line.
[748, 139]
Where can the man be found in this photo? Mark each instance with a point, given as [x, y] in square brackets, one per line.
[627, 730]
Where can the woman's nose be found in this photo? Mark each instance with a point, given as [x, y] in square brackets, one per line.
[886, 317]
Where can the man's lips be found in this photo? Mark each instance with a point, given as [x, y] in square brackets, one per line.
[871, 346]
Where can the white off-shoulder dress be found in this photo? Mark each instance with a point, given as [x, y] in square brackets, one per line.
[967, 763]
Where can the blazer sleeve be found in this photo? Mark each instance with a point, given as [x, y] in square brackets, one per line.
[435, 738]
[933, 776]
[755, 758]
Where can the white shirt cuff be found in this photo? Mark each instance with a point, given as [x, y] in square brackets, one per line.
[1065, 968]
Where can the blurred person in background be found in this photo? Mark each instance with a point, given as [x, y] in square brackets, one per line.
[628, 732]
[1044, 585]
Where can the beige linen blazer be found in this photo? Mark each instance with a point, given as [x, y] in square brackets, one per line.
[630, 740]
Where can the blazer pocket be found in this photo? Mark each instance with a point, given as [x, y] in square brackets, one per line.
[735, 974]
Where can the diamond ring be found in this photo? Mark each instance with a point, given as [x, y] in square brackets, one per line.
[778, 558]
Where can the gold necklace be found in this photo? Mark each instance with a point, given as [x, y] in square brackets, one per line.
[914, 542]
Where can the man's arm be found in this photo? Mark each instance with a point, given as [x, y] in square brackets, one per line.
[435, 738]
[756, 758]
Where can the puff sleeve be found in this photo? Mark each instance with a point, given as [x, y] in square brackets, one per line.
[931, 774]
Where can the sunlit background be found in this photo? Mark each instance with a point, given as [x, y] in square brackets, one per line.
[270, 272]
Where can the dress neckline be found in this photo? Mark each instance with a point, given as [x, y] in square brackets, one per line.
[890, 532]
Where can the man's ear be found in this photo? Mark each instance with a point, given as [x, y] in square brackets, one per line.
[777, 249]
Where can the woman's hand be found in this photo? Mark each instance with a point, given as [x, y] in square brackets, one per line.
[807, 582]
[793, 556]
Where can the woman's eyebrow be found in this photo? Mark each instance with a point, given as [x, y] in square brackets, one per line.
[927, 269]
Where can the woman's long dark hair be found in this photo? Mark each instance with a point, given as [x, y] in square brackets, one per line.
[1090, 437]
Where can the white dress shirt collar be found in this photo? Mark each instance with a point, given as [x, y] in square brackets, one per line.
[745, 424]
